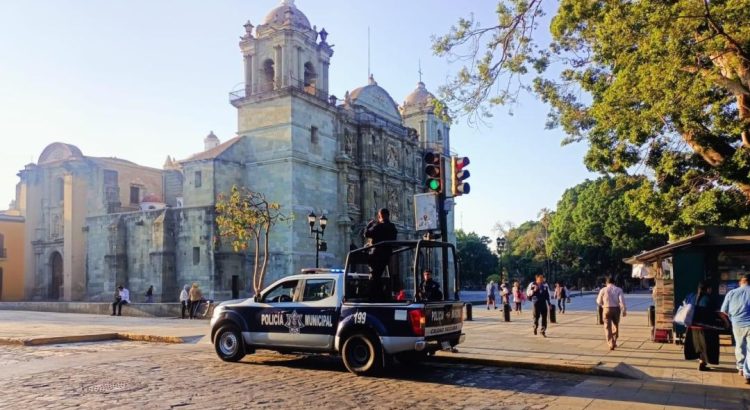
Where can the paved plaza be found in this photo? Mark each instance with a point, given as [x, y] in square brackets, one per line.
[501, 365]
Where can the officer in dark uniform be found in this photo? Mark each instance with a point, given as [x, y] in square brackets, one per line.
[538, 293]
[429, 290]
[375, 232]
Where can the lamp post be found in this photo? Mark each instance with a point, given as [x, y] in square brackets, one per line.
[319, 244]
[500, 242]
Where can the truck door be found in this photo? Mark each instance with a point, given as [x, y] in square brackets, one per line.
[320, 314]
[276, 320]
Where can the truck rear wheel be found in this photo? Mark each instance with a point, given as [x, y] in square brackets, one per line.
[362, 355]
[228, 344]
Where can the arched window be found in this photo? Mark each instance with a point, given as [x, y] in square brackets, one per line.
[2, 246]
[268, 76]
[440, 135]
[59, 189]
[310, 78]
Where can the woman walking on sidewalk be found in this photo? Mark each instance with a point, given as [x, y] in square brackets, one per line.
[560, 294]
[518, 296]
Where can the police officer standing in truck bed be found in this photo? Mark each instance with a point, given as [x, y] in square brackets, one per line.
[382, 230]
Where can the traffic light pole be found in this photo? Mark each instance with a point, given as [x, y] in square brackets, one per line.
[443, 218]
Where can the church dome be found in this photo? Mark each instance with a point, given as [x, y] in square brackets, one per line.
[376, 99]
[420, 97]
[287, 14]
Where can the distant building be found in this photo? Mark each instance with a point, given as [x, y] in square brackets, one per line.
[94, 223]
[11, 256]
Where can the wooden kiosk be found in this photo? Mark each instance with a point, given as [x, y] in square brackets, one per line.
[716, 254]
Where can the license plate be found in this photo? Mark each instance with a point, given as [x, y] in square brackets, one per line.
[439, 330]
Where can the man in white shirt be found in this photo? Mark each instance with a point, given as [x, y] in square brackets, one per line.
[124, 299]
[612, 301]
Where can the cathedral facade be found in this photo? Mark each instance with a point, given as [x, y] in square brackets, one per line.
[98, 222]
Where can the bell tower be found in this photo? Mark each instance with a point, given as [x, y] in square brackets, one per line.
[284, 52]
[286, 120]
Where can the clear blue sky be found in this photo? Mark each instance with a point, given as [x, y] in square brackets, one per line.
[143, 79]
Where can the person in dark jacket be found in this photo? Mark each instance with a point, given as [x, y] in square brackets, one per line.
[538, 293]
[702, 338]
[376, 232]
[429, 290]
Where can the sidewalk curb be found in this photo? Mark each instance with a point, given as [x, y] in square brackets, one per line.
[575, 368]
[98, 337]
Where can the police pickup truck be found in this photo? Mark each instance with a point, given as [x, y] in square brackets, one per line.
[332, 311]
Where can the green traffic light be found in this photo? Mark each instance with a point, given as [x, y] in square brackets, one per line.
[434, 184]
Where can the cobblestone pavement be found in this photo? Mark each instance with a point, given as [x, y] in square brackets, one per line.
[140, 375]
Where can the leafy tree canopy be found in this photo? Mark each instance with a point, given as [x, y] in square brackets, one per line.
[663, 85]
[593, 228]
[476, 261]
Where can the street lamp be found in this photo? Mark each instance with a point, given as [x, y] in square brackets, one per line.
[319, 244]
[500, 242]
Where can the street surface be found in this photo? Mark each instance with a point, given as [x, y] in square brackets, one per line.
[491, 370]
[159, 376]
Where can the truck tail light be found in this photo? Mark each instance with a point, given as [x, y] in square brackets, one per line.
[417, 319]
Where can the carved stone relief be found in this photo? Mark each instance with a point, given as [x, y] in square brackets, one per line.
[391, 157]
[352, 195]
[348, 144]
[394, 203]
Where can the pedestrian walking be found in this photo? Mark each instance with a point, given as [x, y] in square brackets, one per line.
[736, 307]
[491, 295]
[122, 297]
[702, 337]
[518, 297]
[150, 294]
[561, 293]
[612, 301]
[538, 293]
[196, 296]
[185, 299]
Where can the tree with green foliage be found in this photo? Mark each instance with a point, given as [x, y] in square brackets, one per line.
[244, 217]
[657, 84]
[475, 260]
[593, 228]
[525, 251]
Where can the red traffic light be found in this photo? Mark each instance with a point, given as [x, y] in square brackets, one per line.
[459, 175]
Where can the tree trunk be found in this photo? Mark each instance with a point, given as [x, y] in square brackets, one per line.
[256, 286]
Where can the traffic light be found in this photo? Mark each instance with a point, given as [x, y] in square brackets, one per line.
[460, 174]
[433, 170]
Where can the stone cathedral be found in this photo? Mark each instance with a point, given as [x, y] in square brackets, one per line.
[93, 223]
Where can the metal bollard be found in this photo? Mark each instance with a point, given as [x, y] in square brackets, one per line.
[506, 312]
[468, 312]
[652, 315]
[552, 314]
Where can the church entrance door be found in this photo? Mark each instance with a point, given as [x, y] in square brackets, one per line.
[55, 286]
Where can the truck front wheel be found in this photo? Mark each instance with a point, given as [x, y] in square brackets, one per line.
[362, 355]
[228, 344]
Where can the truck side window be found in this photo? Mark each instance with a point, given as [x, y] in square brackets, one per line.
[283, 292]
[317, 289]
